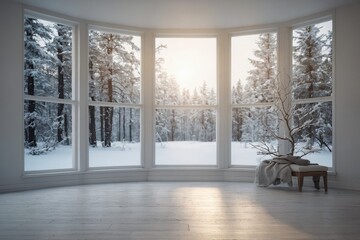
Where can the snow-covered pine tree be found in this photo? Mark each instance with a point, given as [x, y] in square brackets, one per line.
[261, 80]
[61, 47]
[203, 113]
[237, 113]
[184, 119]
[115, 77]
[109, 45]
[36, 59]
[211, 117]
[312, 77]
[127, 87]
[259, 88]
[92, 95]
[194, 116]
[324, 126]
[94, 51]
[206, 117]
[169, 95]
[163, 92]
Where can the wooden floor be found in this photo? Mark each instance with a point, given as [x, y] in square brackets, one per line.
[185, 210]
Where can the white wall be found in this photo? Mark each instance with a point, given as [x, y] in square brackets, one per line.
[10, 93]
[347, 102]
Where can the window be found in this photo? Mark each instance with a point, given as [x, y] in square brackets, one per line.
[48, 95]
[253, 80]
[185, 98]
[185, 101]
[114, 99]
[312, 91]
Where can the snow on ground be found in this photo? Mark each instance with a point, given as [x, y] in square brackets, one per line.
[185, 153]
[60, 158]
[168, 153]
[244, 154]
[120, 154]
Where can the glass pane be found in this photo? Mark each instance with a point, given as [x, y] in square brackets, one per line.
[114, 67]
[253, 132]
[185, 71]
[185, 137]
[114, 137]
[48, 136]
[253, 67]
[48, 59]
[312, 61]
[314, 137]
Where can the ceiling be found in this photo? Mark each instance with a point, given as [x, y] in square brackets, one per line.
[188, 14]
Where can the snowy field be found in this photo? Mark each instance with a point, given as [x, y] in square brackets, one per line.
[185, 153]
[119, 155]
[169, 153]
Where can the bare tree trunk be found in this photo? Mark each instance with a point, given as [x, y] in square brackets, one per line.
[92, 122]
[124, 123]
[108, 116]
[173, 125]
[239, 121]
[66, 130]
[92, 126]
[60, 109]
[119, 126]
[130, 125]
[102, 138]
[108, 126]
[60, 119]
[31, 109]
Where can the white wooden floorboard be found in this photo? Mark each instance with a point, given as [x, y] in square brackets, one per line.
[179, 210]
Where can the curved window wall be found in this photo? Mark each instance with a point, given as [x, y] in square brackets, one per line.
[191, 90]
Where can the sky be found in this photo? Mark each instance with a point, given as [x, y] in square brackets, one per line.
[193, 60]
[190, 60]
[242, 48]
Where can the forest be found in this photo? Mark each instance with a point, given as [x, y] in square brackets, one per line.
[115, 91]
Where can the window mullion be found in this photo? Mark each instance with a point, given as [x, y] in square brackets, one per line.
[82, 130]
[48, 99]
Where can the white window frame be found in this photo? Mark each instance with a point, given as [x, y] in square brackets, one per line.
[304, 23]
[73, 102]
[215, 107]
[233, 106]
[140, 105]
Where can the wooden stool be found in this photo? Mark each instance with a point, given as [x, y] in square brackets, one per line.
[316, 171]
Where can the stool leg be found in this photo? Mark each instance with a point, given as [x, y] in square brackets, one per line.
[316, 180]
[300, 181]
[325, 182]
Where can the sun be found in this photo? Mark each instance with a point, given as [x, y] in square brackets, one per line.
[183, 73]
[190, 61]
[184, 68]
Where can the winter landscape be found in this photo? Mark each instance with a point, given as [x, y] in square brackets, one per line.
[185, 98]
